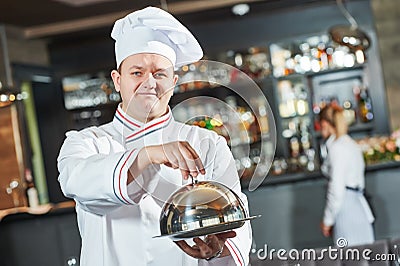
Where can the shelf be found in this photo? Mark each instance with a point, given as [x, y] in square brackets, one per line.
[200, 90]
[220, 92]
[286, 178]
[291, 76]
[259, 82]
[290, 178]
[334, 70]
[382, 165]
[354, 129]
[111, 105]
[295, 116]
[265, 137]
[311, 73]
[361, 127]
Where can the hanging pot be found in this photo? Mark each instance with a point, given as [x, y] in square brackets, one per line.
[350, 36]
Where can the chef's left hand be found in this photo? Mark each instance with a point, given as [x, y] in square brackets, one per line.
[208, 247]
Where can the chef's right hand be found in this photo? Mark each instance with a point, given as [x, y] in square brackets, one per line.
[326, 229]
[177, 155]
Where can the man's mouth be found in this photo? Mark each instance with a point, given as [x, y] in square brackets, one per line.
[147, 93]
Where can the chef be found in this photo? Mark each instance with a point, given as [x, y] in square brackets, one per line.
[121, 173]
[347, 213]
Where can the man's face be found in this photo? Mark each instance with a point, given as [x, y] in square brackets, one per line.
[146, 83]
[326, 129]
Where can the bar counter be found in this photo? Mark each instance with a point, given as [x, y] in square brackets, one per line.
[292, 207]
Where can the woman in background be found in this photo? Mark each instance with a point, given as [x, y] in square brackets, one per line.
[347, 213]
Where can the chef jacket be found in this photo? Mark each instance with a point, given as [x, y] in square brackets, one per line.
[346, 169]
[117, 222]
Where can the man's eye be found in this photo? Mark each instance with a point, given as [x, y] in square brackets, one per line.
[160, 75]
[136, 73]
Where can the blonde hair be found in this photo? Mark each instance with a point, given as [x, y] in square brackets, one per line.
[333, 114]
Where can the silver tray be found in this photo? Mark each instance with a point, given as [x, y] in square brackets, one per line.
[208, 230]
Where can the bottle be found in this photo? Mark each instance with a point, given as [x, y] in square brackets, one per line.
[323, 56]
[262, 115]
[301, 100]
[294, 147]
[31, 191]
[246, 119]
[287, 105]
[349, 113]
[233, 123]
[364, 105]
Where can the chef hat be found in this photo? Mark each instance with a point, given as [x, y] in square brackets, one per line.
[152, 30]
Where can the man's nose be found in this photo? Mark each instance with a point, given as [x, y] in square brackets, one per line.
[150, 82]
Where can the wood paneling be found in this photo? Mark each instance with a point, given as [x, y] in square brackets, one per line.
[11, 168]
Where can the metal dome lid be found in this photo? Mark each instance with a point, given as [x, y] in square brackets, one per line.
[202, 208]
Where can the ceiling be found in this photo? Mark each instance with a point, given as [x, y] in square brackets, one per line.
[43, 18]
[29, 13]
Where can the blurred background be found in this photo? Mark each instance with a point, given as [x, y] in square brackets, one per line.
[55, 63]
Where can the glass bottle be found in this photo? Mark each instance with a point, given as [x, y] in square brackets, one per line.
[233, 121]
[31, 191]
[349, 113]
[364, 105]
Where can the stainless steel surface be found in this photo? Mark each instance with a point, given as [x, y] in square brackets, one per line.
[202, 208]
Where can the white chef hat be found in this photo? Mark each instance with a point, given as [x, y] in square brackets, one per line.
[152, 30]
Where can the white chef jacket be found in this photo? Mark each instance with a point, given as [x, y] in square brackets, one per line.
[117, 222]
[346, 169]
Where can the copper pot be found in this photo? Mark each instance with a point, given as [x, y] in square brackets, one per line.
[350, 36]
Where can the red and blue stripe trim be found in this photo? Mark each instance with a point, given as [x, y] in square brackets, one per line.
[148, 132]
[236, 252]
[125, 119]
[118, 193]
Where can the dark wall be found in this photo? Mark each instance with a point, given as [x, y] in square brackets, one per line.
[51, 119]
[284, 24]
[79, 54]
[90, 51]
[47, 240]
[218, 32]
[51, 123]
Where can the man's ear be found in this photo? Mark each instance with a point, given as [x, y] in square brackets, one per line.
[175, 79]
[116, 77]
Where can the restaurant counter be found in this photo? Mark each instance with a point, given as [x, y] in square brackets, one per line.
[47, 235]
[290, 206]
